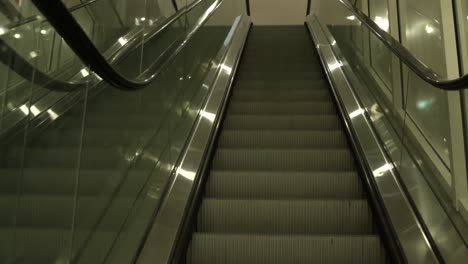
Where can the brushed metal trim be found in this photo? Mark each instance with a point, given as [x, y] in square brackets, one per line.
[168, 222]
[409, 231]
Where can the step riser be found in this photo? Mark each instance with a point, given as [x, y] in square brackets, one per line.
[285, 217]
[284, 185]
[232, 249]
[274, 160]
[280, 139]
[248, 122]
[257, 108]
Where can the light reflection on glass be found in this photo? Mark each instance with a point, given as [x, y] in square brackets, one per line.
[429, 29]
[84, 72]
[24, 109]
[35, 111]
[383, 23]
[122, 41]
[3, 31]
[52, 114]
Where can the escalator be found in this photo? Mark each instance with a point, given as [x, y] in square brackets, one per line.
[283, 185]
[207, 139]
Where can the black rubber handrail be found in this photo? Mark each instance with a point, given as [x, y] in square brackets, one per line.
[416, 65]
[70, 30]
[174, 4]
[247, 7]
[66, 25]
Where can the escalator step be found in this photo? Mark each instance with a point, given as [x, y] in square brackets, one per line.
[283, 76]
[283, 160]
[280, 108]
[305, 217]
[296, 122]
[253, 249]
[282, 139]
[281, 96]
[284, 185]
[290, 85]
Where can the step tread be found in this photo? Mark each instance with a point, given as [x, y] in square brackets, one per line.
[283, 159]
[243, 248]
[285, 216]
[284, 185]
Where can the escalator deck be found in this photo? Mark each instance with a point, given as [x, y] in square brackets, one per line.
[283, 186]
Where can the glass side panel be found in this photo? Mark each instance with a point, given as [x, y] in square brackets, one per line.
[184, 87]
[419, 158]
[422, 25]
[379, 55]
[83, 172]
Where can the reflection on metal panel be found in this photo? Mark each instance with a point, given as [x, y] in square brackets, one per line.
[163, 235]
[410, 233]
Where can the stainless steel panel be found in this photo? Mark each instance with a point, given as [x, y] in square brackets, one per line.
[408, 229]
[163, 235]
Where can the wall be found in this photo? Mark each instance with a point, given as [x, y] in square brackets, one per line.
[278, 12]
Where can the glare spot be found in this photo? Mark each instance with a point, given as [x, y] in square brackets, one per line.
[122, 41]
[186, 174]
[351, 18]
[382, 22]
[17, 36]
[226, 68]
[52, 114]
[335, 66]
[33, 54]
[356, 113]
[429, 29]
[43, 31]
[3, 31]
[380, 171]
[210, 116]
[35, 111]
[84, 72]
[24, 109]
[423, 104]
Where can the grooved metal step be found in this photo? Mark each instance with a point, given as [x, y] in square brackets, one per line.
[282, 139]
[280, 108]
[281, 96]
[284, 185]
[283, 160]
[296, 122]
[285, 217]
[253, 249]
[290, 85]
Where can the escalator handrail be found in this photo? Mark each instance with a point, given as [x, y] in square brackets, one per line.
[416, 65]
[70, 30]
